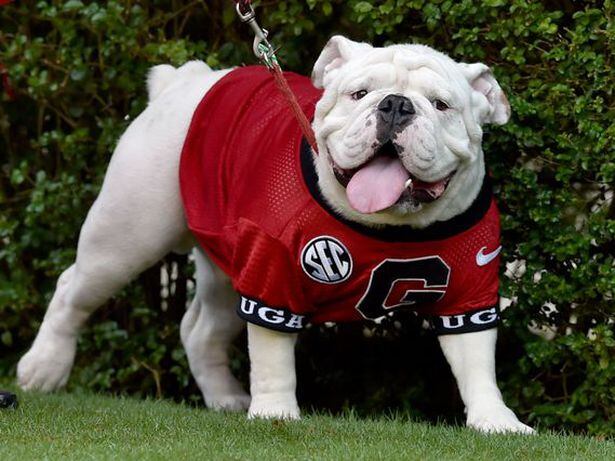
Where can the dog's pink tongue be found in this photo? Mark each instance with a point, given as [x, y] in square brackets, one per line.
[377, 185]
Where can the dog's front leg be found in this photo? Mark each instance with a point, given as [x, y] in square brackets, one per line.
[272, 376]
[472, 360]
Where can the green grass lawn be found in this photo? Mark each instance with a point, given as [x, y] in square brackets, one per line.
[84, 426]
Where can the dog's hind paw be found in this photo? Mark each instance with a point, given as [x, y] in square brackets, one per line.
[274, 406]
[496, 419]
[47, 365]
[232, 402]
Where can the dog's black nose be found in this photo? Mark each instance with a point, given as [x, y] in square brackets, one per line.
[395, 112]
[396, 105]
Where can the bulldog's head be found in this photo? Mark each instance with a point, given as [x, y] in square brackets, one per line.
[399, 131]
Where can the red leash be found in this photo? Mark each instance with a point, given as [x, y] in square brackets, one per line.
[304, 123]
[265, 52]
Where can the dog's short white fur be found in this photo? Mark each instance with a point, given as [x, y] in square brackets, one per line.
[138, 218]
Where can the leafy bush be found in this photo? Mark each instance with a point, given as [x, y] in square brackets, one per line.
[78, 71]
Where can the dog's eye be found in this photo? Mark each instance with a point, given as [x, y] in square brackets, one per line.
[440, 105]
[359, 94]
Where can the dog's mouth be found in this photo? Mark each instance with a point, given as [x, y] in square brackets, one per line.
[383, 181]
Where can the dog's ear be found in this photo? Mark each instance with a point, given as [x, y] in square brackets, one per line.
[337, 52]
[488, 95]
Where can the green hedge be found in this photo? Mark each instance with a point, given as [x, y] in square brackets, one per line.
[78, 72]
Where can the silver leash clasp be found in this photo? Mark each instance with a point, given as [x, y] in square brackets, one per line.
[261, 46]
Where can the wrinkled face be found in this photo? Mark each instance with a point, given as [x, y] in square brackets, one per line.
[400, 125]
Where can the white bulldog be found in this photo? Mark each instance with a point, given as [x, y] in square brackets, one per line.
[399, 139]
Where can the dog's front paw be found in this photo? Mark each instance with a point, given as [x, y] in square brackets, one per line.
[46, 366]
[274, 406]
[496, 418]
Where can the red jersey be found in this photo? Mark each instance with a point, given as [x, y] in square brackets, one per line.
[251, 198]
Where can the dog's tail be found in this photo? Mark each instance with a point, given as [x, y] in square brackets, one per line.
[161, 77]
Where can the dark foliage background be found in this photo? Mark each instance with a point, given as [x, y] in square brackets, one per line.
[78, 69]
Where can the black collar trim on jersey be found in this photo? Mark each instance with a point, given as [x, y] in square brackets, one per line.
[438, 231]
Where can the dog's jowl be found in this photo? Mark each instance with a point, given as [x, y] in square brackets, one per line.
[393, 212]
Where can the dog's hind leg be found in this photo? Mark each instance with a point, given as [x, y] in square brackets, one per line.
[124, 233]
[136, 220]
[207, 330]
[107, 259]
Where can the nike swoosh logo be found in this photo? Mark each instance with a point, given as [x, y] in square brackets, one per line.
[483, 259]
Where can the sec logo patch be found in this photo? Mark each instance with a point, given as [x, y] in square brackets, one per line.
[326, 260]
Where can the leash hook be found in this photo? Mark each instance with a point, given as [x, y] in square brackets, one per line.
[261, 47]
[265, 52]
